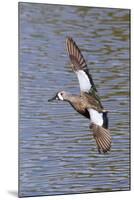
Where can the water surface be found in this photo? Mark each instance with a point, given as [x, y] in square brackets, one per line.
[58, 154]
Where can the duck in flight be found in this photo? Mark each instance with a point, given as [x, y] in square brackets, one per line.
[88, 102]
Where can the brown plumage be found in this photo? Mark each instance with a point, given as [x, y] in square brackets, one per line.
[82, 102]
[102, 138]
[88, 103]
[76, 57]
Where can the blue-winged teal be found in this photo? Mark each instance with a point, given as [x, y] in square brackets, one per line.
[88, 102]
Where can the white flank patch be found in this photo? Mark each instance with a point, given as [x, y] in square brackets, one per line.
[60, 96]
[96, 117]
[84, 82]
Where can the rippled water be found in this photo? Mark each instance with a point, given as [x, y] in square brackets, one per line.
[58, 154]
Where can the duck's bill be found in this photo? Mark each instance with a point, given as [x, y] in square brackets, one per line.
[53, 98]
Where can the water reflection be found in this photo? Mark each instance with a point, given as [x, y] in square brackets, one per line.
[57, 151]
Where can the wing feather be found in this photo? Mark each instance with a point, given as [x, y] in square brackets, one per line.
[79, 65]
[102, 135]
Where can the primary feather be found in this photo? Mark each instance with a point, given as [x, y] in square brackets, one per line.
[102, 137]
[79, 66]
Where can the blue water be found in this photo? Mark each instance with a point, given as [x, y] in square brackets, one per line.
[57, 152]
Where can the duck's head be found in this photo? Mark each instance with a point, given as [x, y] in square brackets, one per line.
[61, 96]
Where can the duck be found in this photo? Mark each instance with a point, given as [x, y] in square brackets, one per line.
[88, 102]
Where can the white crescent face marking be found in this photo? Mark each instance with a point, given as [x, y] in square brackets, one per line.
[60, 96]
[84, 81]
[96, 117]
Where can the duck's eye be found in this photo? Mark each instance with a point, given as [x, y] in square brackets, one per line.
[61, 93]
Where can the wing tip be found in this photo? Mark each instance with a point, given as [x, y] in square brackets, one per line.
[68, 39]
[101, 149]
[102, 138]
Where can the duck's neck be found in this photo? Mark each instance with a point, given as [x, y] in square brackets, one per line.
[72, 98]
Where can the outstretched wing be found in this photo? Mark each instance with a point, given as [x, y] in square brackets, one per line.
[100, 132]
[79, 66]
